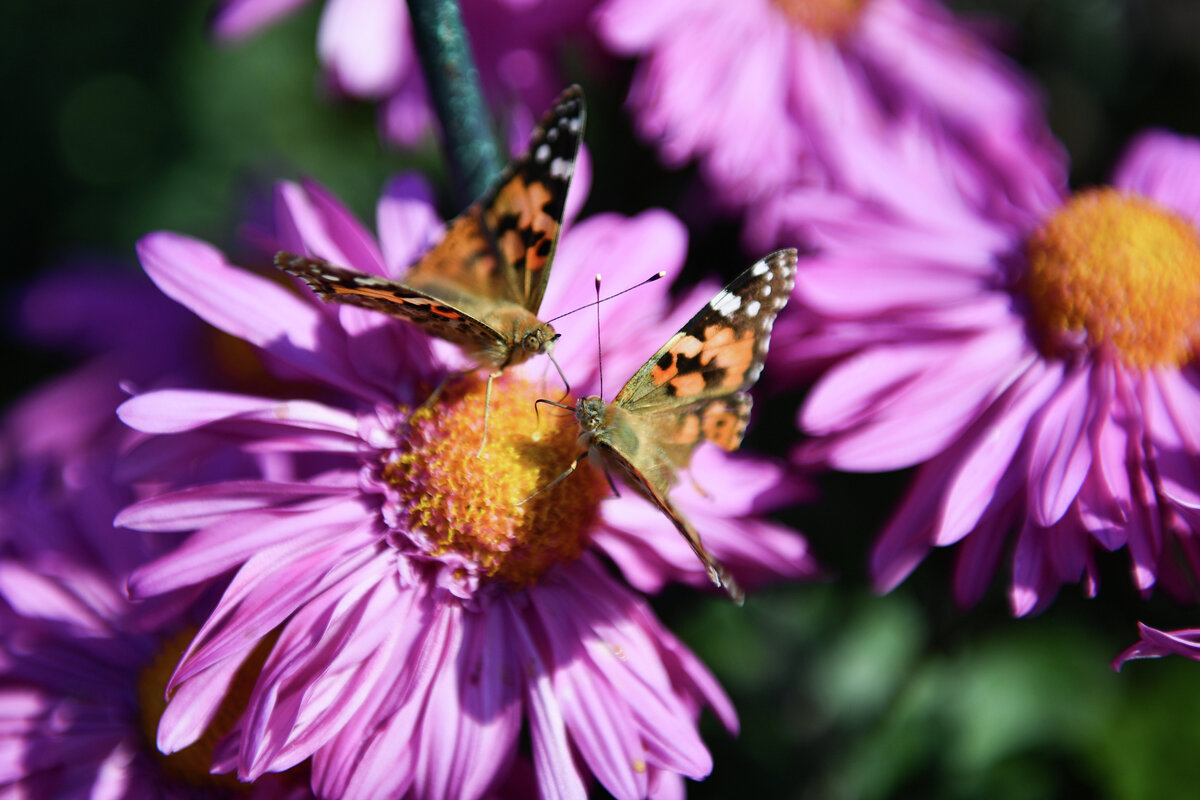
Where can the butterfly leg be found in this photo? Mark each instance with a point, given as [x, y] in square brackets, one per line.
[699, 489]
[611, 484]
[556, 481]
[487, 411]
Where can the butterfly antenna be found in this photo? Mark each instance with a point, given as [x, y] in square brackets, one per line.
[656, 276]
[599, 348]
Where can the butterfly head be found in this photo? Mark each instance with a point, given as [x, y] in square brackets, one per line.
[538, 339]
[589, 412]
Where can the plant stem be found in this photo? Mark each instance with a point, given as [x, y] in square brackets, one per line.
[453, 83]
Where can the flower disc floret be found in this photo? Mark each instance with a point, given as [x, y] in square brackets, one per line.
[1113, 268]
[829, 19]
[459, 504]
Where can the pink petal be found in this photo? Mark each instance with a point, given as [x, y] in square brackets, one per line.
[365, 44]
[178, 410]
[199, 506]
[1061, 455]
[558, 777]
[1164, 167]
[408, 224]
[234, 19]
[973, 485]
[224, 545]
[252, 308]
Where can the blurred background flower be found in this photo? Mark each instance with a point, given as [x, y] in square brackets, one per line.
[83, 670]
[1039, 360]
[128, 119]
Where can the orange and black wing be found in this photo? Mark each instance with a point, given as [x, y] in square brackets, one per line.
[502, 246]
[700, 375]
[434, 315]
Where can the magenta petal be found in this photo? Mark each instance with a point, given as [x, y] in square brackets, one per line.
[1164, 167]
[224, 545]
[365, 44]
[408, 224]
[491, 704]
[355, 244]
[327, 667]
[558, 777]
[1156, 643]
[190, 509]
[252, 308]
[1000, 432]
[1061, 455]
[178, 410]
[193, 706]
[234, 19]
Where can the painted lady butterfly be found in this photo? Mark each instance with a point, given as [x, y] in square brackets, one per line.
[481, 286]
[693, 389]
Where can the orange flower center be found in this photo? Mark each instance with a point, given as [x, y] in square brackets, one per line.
[828, 19]
[1114, 269]
[468, 504]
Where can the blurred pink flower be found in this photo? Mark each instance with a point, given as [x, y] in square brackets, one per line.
[1037, 360]
[367, 51]
[79, 693]
[423, 618]
[768, 94]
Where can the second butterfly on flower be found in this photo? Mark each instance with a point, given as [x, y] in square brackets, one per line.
[424, 618]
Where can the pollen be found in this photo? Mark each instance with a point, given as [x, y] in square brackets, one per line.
[828, 19]
[494, 511]
[1114, 270]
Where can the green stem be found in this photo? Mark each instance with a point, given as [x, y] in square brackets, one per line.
[453, 84]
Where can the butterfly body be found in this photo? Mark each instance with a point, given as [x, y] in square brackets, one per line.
[481, 286]
[692, 390]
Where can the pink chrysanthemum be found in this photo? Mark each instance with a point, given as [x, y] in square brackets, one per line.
[772, 93]
[423, 618]
[367, 50]
[83, 670]
[1038, 360]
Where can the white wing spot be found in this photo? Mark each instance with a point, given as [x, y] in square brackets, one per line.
[752, 308]
[725, 303]
[561, 168]
[552, 135]
[766, 290]
[574, 125]
[543, 152]
[759, 268]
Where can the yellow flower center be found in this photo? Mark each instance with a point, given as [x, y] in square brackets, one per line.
[1114, 269]
[191, 766]
[828, 19]
[462, 503]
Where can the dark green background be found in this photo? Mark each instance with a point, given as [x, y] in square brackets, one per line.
[127, 119]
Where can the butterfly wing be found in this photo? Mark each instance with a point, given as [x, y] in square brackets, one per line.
[453, 320]
[501, 247]
[655, 491]
[693, 388]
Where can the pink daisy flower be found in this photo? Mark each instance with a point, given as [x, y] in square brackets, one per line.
[82, 669]
[423, 619]
[367, 50]
[1038, 361]
[768, 94]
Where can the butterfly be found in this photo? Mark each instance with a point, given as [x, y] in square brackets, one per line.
[481, 286]
[692, 390]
